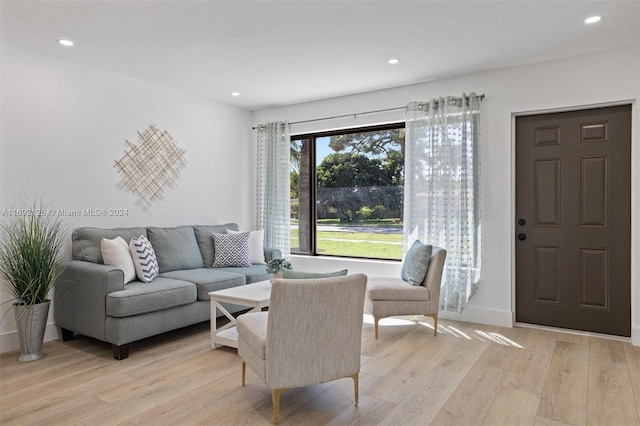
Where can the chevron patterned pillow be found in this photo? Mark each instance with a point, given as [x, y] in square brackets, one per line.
[231, 250]
[144, 259]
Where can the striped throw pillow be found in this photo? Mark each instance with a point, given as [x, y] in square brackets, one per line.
[144, 259]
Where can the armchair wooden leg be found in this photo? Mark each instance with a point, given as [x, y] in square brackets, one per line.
[244, 371]
[435, 323]
[355, 387]
[275, 396]
[375, 322]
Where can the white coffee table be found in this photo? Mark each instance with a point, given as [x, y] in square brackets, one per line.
[254, 295]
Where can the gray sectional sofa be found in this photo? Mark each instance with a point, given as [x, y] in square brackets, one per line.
[92, 299]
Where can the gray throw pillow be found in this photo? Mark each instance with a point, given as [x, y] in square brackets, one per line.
[416, 263]
[231, 250]
[176, 248]
[205, 239]
[297, 275]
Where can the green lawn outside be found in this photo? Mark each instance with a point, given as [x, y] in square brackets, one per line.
[356, 244]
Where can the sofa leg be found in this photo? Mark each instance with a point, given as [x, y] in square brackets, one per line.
[121, 352]
[66, 334]
[375, 325]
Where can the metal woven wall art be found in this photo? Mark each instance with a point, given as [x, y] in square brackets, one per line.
[151, 166]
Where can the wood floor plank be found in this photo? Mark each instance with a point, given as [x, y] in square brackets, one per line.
[499, 355]
[609, 349]
[610, 393]
[135, 397]
[541, 421]
[529, 369]
[185, 403]
[470, 402]
[222, 408]
[396, 353]
[564, 396]
[632, 356]
[433, 391]
[512, 407]
[635, 385]
[402, 380]
[29, 408]
[369, 411]
[66, 413]
[573, 338]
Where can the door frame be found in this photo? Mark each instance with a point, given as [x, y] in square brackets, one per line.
[635, 205]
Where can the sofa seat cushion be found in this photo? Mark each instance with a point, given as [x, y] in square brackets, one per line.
[253, 327]
[395, 289]
[254, 273]
[141, 298]
[207, 279]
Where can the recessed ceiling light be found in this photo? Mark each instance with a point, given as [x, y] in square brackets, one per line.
[592, 19]
[235, 93]
[393, 61]
[64, 42]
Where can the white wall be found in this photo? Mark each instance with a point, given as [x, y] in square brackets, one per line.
[608, 77]
[64, 125]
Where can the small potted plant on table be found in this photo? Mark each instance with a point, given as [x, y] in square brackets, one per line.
[276, 266]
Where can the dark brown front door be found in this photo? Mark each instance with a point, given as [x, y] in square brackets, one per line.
[573, 220]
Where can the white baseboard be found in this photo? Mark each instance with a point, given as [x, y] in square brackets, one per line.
[481, 316]
[635, 336]
[9, 341]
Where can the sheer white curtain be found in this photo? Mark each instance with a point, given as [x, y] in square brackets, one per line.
[442, 189]
[273, 193]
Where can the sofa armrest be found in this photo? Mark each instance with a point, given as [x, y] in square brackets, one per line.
[80, 297]
[271, 253]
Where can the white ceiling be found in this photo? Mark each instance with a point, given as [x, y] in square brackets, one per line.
[284, 52]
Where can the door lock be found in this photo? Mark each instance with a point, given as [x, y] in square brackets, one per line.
[522, 222]
[522, 237]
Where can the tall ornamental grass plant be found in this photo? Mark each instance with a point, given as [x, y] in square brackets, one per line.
[31, 250]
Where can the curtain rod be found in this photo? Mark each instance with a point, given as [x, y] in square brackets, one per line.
[354, 115]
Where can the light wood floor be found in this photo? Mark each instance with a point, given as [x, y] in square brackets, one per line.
[468, 375]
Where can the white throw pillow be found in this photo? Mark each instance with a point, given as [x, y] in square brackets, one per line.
[116, 253]
[144, 259]
[231, 250]
[256, 245]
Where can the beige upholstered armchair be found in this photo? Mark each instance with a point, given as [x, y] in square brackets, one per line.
[387, 297]
[311, 334]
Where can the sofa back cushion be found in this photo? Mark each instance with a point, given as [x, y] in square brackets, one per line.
[86, 241]
[204, 236]
[175, 248]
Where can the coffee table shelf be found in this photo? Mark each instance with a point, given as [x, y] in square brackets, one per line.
[255, 296]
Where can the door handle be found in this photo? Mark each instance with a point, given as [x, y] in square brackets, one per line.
[522, 237]
[522, 222]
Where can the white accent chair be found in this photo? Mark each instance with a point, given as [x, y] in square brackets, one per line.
[310, 335]
[388, 297]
